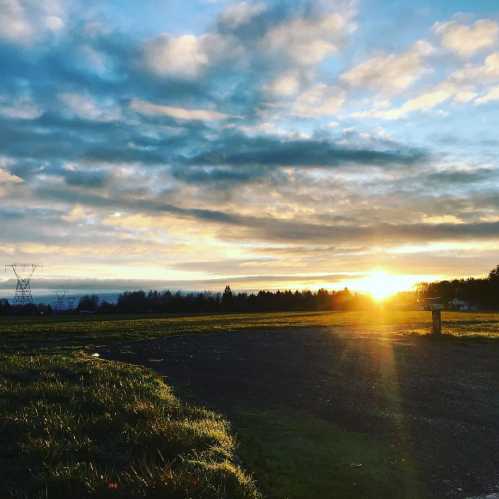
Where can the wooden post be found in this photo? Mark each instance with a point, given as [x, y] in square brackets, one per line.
[436, 315]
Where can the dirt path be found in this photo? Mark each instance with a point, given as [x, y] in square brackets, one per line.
[438, 400]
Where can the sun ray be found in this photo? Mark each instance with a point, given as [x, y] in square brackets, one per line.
[381, 284]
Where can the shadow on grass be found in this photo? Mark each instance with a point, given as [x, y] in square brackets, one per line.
[296, 455]
[455, 338]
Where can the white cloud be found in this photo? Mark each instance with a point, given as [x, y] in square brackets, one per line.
[308, 41]
[464, 96]
[467, 40]
[319, 100]
[285, 85]
[22, 21]
[23, 108]
[304, 41]
[187, 56]
[179, 113]
[80, 214]
[241, 13]
[54, 23]
[426, 101]
[490, 96]
[272, 128]
[390, 73]
[85, 107]
[7, 177]
[182, 56]
[97, 60]
[7, 180]
[486, 72]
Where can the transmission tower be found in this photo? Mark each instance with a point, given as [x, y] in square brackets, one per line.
[60, 302]
[70, 300]
[23, 272]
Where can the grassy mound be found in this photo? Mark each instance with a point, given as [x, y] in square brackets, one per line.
[75, 427]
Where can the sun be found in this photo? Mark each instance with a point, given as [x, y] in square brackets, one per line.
[381, 284]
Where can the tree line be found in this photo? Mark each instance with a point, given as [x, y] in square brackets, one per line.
[226, 302]
[481, 294]
[263, 301]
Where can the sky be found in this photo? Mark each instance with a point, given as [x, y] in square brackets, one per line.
[264, 144]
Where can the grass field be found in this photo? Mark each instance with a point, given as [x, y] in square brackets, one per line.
[295, 455]
[70, 332]
[72, 425]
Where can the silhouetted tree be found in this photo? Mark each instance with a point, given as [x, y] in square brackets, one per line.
[479, 293]
[5, 308]
[88, 303]
[494, 274]
[227, 300]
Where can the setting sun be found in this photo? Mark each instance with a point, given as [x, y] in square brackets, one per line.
[381, 284]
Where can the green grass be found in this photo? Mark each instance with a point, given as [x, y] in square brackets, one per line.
[73, 426]
[69, 333]
[296, 456]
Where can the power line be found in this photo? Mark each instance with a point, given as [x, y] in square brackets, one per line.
[23, 272]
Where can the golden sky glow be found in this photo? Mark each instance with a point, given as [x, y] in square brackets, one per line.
[265, 145]
[381, 284]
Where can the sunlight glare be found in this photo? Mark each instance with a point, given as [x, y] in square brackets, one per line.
[382, 285]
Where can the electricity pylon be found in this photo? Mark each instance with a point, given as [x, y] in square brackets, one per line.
[23, 272]
[60, 303]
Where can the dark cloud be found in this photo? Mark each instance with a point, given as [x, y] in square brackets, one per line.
[465, 177]
[225, 177]
[115, 73]
[259, 228]
[379, 234]
[88, 179]
[347, 192]
[239, 150]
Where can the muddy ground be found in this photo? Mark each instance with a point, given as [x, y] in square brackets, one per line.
[438, 401]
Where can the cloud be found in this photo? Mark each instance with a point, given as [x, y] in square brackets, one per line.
[285, 85]
[423, 102]
[7, 177]
[22, 21]
[309, 40]
[224, 177]
[426, 101]
[85, 107]
[451, 178]
[268, 37]
[238, 150]
[218, 137]
[491, 96]
[465, 85]
[237, 14]
[264, 228]
[391, 73]
[7, 180]
[467, 40]
[178, 113]
[383, 234]
[319, 100]
[182, 56]
[187, 56]
[87, 179]
[476, 74]
[247, 282]
[78, 214]
[21, 108]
